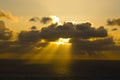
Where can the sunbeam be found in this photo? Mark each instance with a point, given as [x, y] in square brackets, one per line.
[62, 41]
[53, 52]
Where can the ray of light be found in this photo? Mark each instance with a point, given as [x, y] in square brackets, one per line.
[45, 55]
[62, 41]
[52, 52]
[37, 56]
[63, 59]
[59, 50]
[50, 55]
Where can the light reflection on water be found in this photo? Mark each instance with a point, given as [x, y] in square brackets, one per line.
[62, 68]
[59, 56]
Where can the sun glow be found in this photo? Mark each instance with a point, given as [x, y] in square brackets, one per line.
[62, 41]
[60, 53]
[55, 19]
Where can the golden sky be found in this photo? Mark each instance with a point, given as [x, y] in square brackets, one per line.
[93, 37]
[95, 11]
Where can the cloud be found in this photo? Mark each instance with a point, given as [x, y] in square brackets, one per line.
[81, 31]
[15, 47]
[8, 15]
[114, 29]
[35, 19]
[81, 46]
[28, 36]
[27, 41]
[85, 39]
[70, 30]
[46, 20]
[5, 33]
[113, 22]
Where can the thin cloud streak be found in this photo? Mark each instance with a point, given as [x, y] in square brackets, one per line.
[8, 15]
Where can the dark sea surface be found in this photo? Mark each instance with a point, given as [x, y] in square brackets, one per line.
[75, 70]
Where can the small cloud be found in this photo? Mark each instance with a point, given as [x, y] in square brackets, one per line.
[46, 20]
[114, 29]
[113, 22]
[35, 19]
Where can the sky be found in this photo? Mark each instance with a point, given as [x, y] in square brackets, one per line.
[59, 33]
[94, 11]
[95, 32]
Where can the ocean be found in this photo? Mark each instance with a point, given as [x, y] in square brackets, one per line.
[15, 69]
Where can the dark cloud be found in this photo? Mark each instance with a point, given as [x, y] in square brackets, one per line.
[80, 35]
[70, 30]
[28, 36]
[16, 47]
[33, 28]
[85, 30]
[50, 32]
[45, 20]
[114, 29]
[53, 32]
[82, 46]
[5, 33]
[7, 15]
[113, 22]
[35, 19]
[27, 41]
